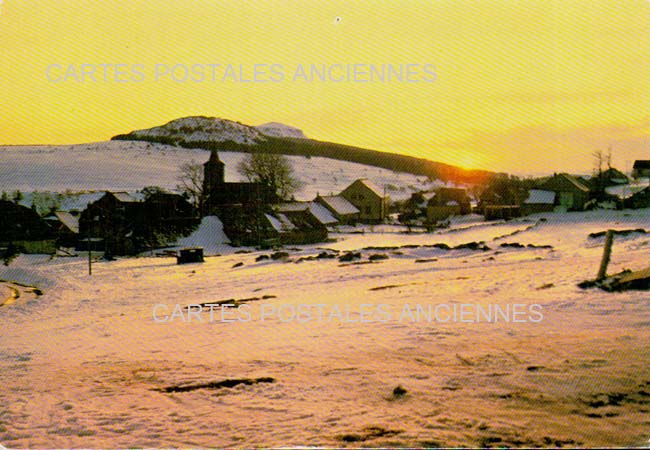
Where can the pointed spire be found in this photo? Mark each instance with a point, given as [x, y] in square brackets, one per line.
[214, 157]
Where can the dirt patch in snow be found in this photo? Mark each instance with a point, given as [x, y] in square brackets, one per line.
[227, 383]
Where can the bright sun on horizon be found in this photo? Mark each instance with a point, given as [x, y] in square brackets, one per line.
[531, 86]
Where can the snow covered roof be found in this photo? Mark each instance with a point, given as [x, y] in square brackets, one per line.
[538, 196]
[124, 197]
[626, 190]
[280, 223]
[79, 202]
[452, 203]
[293, 206]
[68, 220]
[575, 181]
[322, 214]
[286, 223]
[372, 186]
[340, 205]
[275, 223]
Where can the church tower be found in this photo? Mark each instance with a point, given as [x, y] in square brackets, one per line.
[213, 172]
[213, 177]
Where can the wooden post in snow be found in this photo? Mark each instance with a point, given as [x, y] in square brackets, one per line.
[607, 252]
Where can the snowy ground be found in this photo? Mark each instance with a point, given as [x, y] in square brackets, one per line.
[132, 165]
[83, 365]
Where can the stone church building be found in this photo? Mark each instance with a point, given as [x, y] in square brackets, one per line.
[219, 195]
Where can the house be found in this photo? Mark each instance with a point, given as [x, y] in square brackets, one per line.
[631, 196]
[444, 195]
[24, 230]
[641, 168]
[598, 183]
[219, 195]
[447, 202]
[613, 177]
[120, 223]
[66, 227]
[318, 211]
[538, 201]
[571, 193]
[289, 233]
[414, 210]
[344, 211]
[112, 223]
[165, 212]
[309, 219]
[639, 199]
[369, 199]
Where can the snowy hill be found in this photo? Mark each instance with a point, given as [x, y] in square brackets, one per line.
[132, 165]
[225, 135]
[280, 130]
[202, 129]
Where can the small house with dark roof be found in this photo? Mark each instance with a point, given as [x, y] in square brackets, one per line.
[571, 193]
[369, 199]
[344, 211]
[170, 213]
[66, 227]
[633, 196]
[309, 219]
[446, 202]
[121, 223]
[22, 229]
[111, 223]
[538, 201]
[641, 168]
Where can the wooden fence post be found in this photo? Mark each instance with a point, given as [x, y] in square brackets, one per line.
[607, 252]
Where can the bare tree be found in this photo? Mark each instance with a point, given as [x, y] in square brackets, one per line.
[609, 158]
[274, 171]
[191, 183]
[599, 158]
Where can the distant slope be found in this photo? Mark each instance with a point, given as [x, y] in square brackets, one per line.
[203, 132]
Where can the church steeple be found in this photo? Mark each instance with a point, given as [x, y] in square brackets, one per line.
[213, 172]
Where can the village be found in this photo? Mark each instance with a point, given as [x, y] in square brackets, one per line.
[115, 223]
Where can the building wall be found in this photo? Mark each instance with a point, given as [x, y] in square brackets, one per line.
[438, 213]
[641, 173]
[497, 212]
[46, 246]
[536, 208]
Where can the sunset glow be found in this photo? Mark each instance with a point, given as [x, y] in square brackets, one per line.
[523, 86]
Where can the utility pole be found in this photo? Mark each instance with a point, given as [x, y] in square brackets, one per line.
[88, 240]
[90, 261]
[607, 252]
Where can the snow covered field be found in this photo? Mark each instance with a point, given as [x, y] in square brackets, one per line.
[86, 364]
[132, 165]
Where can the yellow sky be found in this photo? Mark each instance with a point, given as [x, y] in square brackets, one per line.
[520, 85]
